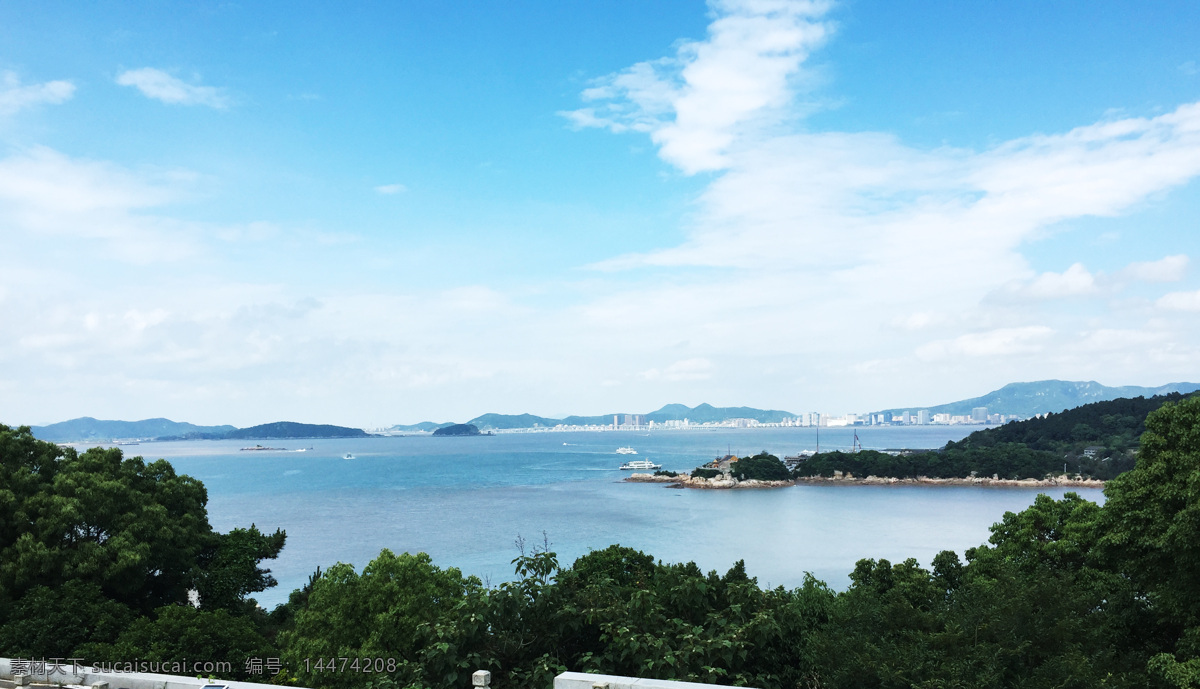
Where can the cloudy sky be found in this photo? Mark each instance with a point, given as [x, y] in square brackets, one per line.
[392, 212]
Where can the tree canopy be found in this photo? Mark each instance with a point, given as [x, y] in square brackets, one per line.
[113, 540]
[760, 467]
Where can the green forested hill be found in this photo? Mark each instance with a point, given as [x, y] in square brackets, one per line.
[1095, 440]
[291, 429]
[1115, 424]
[457, 429]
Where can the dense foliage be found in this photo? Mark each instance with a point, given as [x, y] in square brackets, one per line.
[1066, 593]
[1095, 440]
[291, 429]
[1007, 461]
[760, 467]
[458, 429]
[1114, 425]
[98, 554]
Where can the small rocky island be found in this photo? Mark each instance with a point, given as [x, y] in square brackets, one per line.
[458, 429]
[759, 471]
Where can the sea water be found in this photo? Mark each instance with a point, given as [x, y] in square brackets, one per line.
[467, 500]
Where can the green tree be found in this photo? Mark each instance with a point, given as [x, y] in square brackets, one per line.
[112, 538]
[57, 622]
[231, 570]
[133, 529]
[761, 467]
[386, 612]
[1151, 533]
[178, 633]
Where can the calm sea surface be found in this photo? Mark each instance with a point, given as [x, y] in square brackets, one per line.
[465, 500]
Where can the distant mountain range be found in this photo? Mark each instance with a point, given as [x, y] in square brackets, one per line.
[701, 413]
[87, 428]
[1019, 399]
[1039, 397]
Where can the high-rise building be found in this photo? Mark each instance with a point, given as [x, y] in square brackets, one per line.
[979, 415]
[923, 417]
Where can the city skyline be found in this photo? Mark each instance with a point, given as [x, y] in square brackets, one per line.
[360, 216]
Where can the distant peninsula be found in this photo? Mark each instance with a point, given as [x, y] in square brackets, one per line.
[458, 429]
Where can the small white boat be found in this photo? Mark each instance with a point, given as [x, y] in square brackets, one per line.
[348, 456]
[640, 464]
[626, 451]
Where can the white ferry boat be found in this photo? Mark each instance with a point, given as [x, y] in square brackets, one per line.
[626, 451]
[640, 464]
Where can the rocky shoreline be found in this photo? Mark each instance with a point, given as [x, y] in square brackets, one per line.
[1053, 481]
[685, 481]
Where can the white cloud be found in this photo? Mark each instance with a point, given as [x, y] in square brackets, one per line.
[1179, 301]
[390, 189]
[919, 320]
[807, 199]
[695, 103]
[161, 86]
[1120, 340]
[1078, 281]
[44, 192]
[994, 344]
[1166, 269]
[687, 369]
[15, 96]
[1075, 281]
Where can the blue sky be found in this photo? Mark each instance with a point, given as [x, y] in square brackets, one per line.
[393, 212]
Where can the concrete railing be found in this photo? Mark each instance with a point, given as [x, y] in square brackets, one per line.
[67, 673]
[582, 680]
